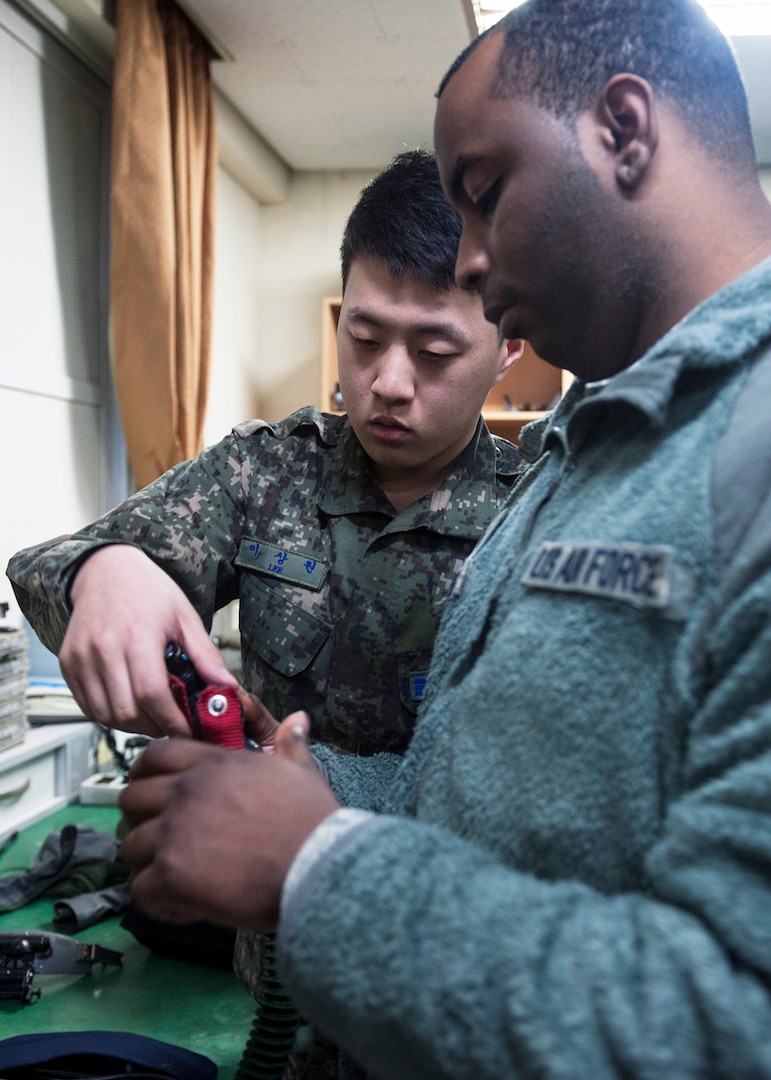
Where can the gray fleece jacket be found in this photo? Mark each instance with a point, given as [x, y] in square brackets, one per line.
[572, 875]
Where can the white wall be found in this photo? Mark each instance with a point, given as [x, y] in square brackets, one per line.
[233, 392]
[59, 465]
[765, 180]
[274, 266]
[300, 265]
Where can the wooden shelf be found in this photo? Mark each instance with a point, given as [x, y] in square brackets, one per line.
[530, 388]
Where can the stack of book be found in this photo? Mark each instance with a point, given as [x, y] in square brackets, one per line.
[14, 679]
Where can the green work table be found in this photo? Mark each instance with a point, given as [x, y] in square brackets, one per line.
[200, 1008]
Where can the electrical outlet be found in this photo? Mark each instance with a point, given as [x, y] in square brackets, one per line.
[102, 789]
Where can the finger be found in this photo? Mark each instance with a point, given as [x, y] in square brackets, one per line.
[291, 740]
[140, 699]
[122, 691]
[138, 845]
[145, 895]
[86, 673]
[151, 687]
[259, 723]
[154, 697]
[204, 654]
[143, 800]
[167, 756]
[155, 777]
[150, 889]
[91, 699]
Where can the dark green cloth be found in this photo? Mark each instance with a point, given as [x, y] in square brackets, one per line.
[77, 862]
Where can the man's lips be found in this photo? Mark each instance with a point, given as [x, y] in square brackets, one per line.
[495, 312]
[388, 428]
[506, 314]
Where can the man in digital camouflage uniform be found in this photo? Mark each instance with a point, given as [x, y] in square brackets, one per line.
[339, 535]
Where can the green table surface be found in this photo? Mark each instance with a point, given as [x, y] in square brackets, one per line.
[191, 1005]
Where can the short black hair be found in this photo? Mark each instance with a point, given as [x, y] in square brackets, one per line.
[403, 218]
[560, 53]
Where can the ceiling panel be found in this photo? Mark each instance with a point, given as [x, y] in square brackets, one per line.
[346, 84]
[338, 84]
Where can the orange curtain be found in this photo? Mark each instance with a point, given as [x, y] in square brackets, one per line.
[164, 164]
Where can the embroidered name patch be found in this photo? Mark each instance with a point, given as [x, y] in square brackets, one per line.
[638, 574]
[281, 562]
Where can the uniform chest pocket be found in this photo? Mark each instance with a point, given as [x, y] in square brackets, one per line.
[275, 625]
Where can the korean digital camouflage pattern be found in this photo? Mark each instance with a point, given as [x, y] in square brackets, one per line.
[339, 595]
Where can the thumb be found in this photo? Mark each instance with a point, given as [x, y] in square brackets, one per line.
[259, 724]
[291, 740]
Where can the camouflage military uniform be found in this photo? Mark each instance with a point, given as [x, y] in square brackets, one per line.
[339, 594]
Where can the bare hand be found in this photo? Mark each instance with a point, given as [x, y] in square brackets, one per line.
[125, 610]
[213, 832]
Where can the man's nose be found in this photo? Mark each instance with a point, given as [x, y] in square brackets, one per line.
[395, 378]
[472, 264]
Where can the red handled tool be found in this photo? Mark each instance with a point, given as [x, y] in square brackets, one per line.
[213, 712]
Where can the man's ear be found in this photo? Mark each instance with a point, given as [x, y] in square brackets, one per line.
[511, 350]
[630, 130]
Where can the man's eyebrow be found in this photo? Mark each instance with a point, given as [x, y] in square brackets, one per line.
[440, 328]
[362, 315]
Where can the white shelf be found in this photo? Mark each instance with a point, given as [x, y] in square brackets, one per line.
[44, 772]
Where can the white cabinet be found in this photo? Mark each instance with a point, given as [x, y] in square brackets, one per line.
[44, 772]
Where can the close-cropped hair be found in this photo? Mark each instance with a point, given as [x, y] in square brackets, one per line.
[560, 53]
[403, 218]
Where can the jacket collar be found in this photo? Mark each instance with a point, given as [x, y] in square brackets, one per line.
[463, 505]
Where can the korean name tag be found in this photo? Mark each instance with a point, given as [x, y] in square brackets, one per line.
[299, 568]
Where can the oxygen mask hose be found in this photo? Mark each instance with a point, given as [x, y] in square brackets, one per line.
[275, 1025]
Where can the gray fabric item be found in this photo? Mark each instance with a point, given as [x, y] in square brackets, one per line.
[78, 912]
[62, 850]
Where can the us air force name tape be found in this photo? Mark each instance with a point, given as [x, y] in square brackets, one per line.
[644, 575]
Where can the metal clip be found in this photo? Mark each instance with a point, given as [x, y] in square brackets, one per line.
[26, 953]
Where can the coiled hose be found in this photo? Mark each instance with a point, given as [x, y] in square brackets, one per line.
[275, 1024]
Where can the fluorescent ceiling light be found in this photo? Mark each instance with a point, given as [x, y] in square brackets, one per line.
[748, 18]
[487, 13]
[736, 18]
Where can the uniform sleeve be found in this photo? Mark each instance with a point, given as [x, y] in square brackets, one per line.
[426, 956]
[189, 521]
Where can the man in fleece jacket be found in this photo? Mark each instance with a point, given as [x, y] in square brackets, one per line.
[569, 874]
